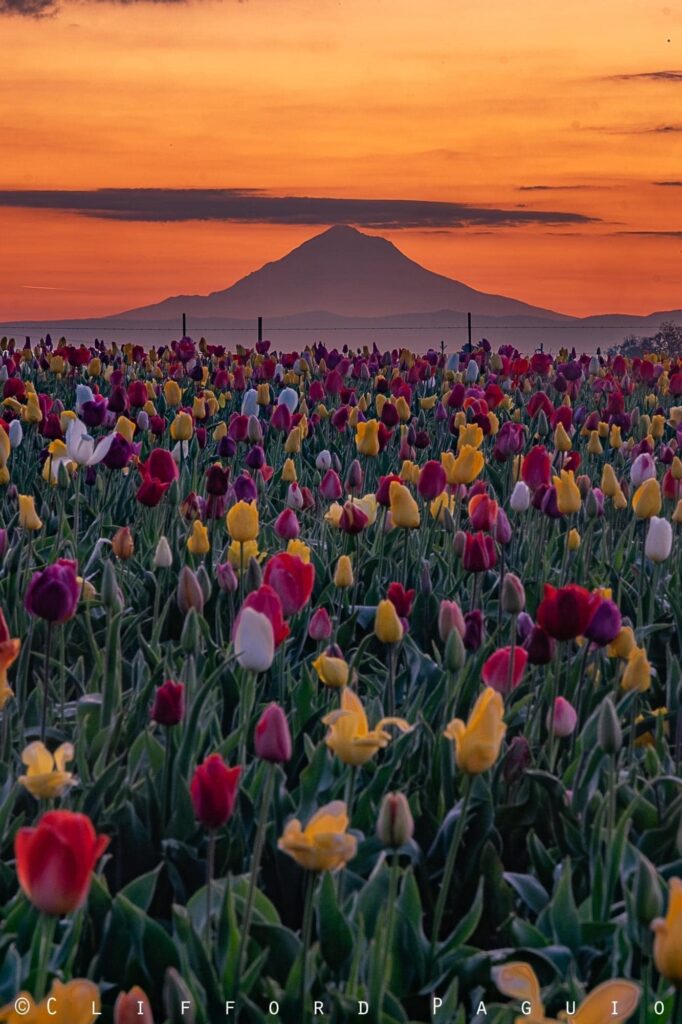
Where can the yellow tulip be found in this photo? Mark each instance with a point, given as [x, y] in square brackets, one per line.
[404, 509]
[350, 737]
[367, 438]
[199, 408]
[32, 412]
[242, 521]
[28, 517]
[594, 446]
[74, 1002]
[478, 742]
[647, 739]
[428, 403]
[343, 575]
[331, 671]
[637, 674]
[464, 468]
[292, 445]
[220, 431]
[46, 776]
[518, 980]
[573, 540]
[646, 501]
[657, 426]
[403, 409]
[239, 555]
[263, 394]
[562, 441]
[198, 542]
[440, 504]
[619, 500]
[623, 645]
[300, 550]
[668, 936]
[172, 392]
[567, 492]
[609, 481]
[333, 515]
[95, 366]
[676, 468]
[324, 844]
[387, 625]
[125, 427]
[289, 471]
[677, 514]
[615, 440]
[409, 472]
[182, 427]
[470, 435]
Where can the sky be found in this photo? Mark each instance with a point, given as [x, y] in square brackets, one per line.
[525, 148]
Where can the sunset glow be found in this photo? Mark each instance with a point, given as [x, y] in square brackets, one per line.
[461, 103]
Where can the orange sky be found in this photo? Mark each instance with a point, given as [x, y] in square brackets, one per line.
[384, 99]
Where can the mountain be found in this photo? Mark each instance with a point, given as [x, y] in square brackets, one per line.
[345, 287]
[345, 272]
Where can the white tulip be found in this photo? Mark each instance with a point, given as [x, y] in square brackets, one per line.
[520, 497]
[81, 447]
[254, 640]
[471, 375]
[324, 460]
[288, 397]
[643, 468]
[250, 403]
[659, 540]
[15, 433]
[83, 394]
[163, 556]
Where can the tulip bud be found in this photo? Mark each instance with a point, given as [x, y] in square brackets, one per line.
[122, 543]
[609, 732]
[320, 627]
[520, 497]
[133, 1007]
[190, 637]
[449, 617]
[204, 582]
[163, 556]
[189, 593]
[169, 704]
[517, 760]
[272, 738]
[110, 592]
[565, 718]
[177, 999]
[227, 578]
[646, 892]
[454, 655]
[395, 824]
[254, 575]
[513, 595]
[659, 540]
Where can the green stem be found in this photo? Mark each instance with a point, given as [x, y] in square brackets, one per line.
[390, 916]
[47, 925]
[210, 865]
[261, 830]
[450, 865]
[46, 682]
[306, 932]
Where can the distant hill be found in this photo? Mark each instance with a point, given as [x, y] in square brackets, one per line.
[346, 287]
[341, 271]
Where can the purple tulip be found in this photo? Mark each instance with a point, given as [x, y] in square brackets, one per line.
[605, 624]
[473, 629]
[52, 594]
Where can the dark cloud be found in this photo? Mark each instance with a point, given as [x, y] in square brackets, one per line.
[648, 76]
[260, 207]
[652, 234]
[632, 129]
[668, 184]
[553, 188]
[46, 8]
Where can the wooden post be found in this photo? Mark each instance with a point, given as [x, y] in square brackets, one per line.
[469, 330]
[260, 328]
[184, 325]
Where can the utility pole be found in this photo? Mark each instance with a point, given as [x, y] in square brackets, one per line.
[184, 325]
[260, 328]
[469, 330]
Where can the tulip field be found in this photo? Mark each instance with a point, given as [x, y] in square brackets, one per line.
[339, 685]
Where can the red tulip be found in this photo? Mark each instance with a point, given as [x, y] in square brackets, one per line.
[293, 579]
[401, 599]
[497, 668]
[331, 488]
[565, 612]
[432, 480]
[353, 519]
[214, 791]
[169, 703]
[483, 512]
[158, 473]
[320, 627]
[287, 525]
[536, 468]
[272, 738]
[479, 552]
[56, 859]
